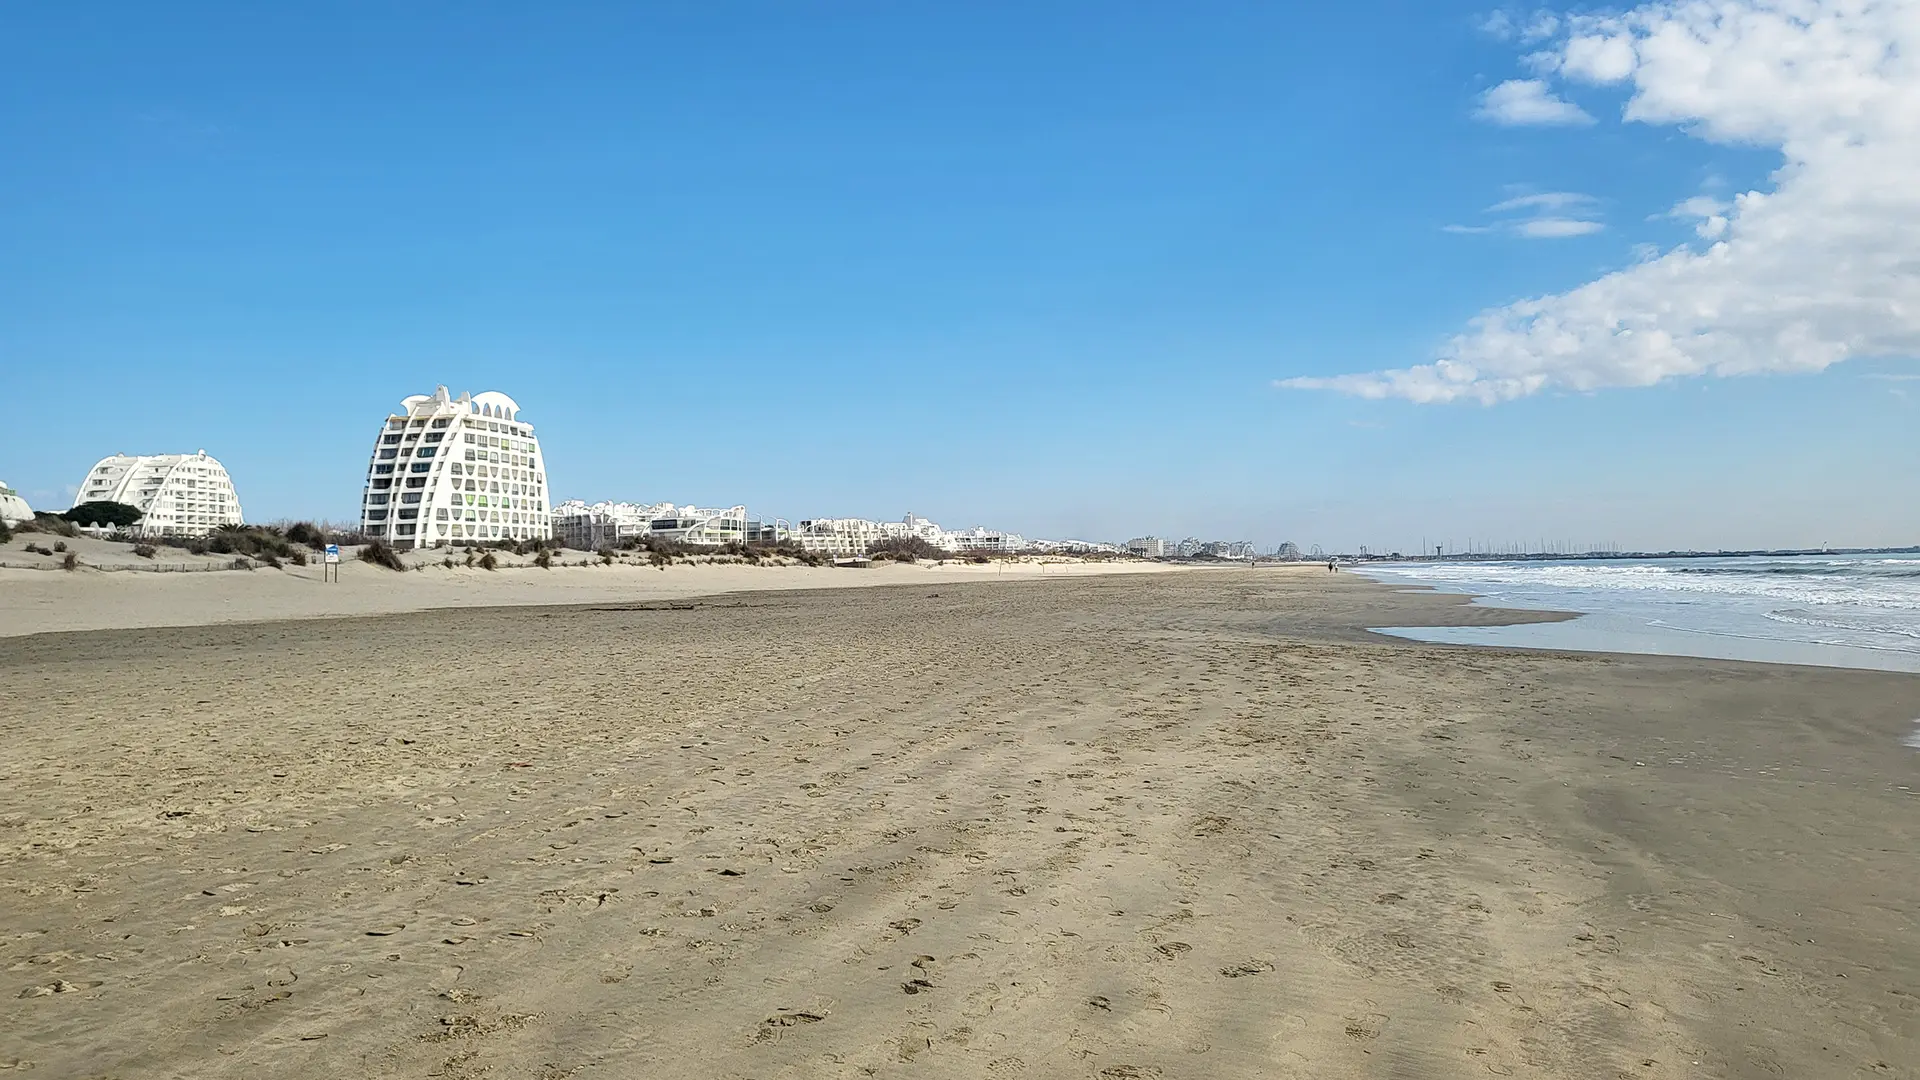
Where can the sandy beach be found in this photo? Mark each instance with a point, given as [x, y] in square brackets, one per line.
[115, 589]
[1113, 826]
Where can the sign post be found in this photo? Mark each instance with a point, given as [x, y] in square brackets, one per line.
[330, 568]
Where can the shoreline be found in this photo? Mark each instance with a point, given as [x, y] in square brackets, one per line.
[1604, 630]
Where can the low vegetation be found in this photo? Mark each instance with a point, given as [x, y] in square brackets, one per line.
[907, 549]
[145, 551]
[51, 524]
[379, 554]
[103, 513]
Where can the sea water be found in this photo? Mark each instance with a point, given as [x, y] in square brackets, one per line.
[1831, 610]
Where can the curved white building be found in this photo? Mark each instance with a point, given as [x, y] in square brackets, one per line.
[178, 494]
[456, 470]
[12, 507]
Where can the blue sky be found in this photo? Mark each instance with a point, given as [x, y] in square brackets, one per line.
[1037, 266]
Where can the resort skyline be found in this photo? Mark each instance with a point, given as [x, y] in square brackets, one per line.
[1168, 278]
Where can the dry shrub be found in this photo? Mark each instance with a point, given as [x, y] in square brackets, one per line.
[379, 554]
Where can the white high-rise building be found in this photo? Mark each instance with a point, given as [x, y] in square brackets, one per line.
[176, 494]
[451, 470]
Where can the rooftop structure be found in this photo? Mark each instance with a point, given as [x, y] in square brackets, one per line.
[12, 507]
[176, 494]
[456, 470]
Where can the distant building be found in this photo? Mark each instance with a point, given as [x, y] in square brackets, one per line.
[604, 524]
[1150, 547]
[176, 494]
[692, 525]
[12, 507]
[1188, 548]
[983, 539]
[1074, 547]
[854, 536]
[456, 470]
[1288, 550]
[842, 536]
[1227, 549]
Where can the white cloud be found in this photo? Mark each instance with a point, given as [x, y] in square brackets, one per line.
[1543, 200]
[1823, 267]
[1555, 228]
[1599, 58]
[1708, 214]
[1518, 102]
[1548, 215]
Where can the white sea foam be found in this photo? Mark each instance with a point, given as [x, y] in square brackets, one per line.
[1848, 602]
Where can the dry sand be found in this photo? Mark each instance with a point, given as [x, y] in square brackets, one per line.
[1185, 825]
[115, 589]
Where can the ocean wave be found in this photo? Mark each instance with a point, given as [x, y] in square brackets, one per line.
[1889, 588]
[1860, 626]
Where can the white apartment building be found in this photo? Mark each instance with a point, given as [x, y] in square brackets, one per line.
[854, 536]
[176, 494]
[589, 527]
[451, 470]
[1151, 547]
[980, 538]
[693, 525]
[12, 507]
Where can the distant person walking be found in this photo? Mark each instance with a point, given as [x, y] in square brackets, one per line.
[1331, 569]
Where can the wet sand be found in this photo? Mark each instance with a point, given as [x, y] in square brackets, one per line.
[1184, 825]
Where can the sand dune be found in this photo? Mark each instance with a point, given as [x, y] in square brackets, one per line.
[105, 595]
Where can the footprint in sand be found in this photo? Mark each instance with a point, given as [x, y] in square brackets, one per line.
[58, 986]
[1251, 967]
[1173, 949]
[916, 986]
[1365, 1027]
